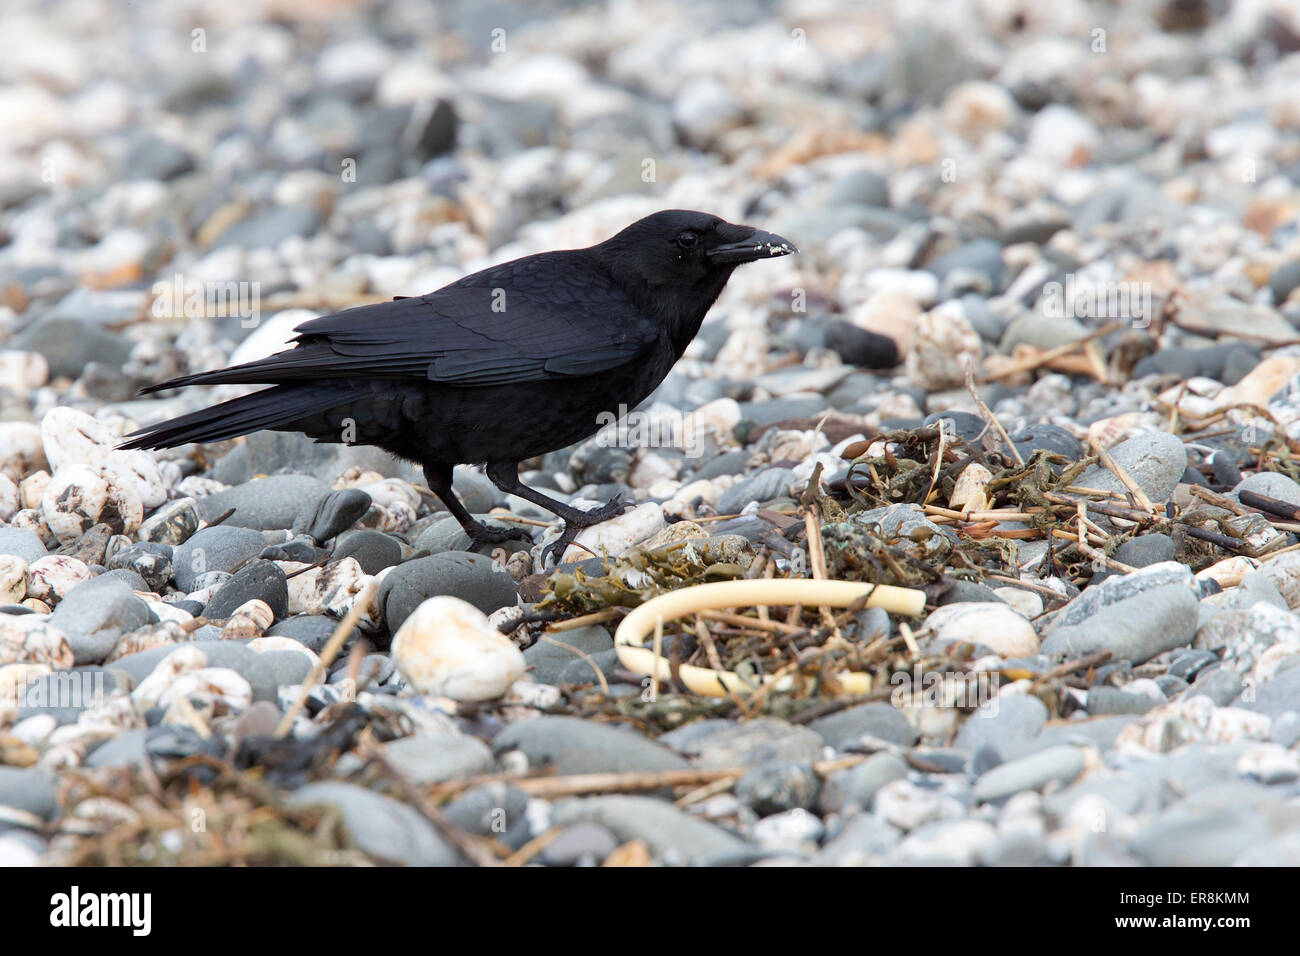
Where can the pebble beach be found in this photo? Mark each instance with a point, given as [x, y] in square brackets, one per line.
[1067, 509]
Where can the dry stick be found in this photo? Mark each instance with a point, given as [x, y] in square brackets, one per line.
[328, 653]
[1139, 496]
[659, 653]
[533, 847]
[938, 466]
[1173, 411]
[1111, 511]
[740, 620]
[706, 791]
[1081, 490]
[710, 649]
[1273, 506]
[987, 414]
[1222, 540]
[817, 562]
[573, 623]
[1083, 663]
[1222, 501]
[604, 685]
[1042, 589]
[1005, 514]
[1043, 358]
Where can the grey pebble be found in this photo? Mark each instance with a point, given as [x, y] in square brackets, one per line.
[381, 826]
[571, 745]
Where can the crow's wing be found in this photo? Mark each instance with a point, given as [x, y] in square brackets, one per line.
[550, 316]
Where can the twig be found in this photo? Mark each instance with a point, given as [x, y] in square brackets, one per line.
[329, 652]
[987, 414]
[604, 685]
[1139, 496]
[1043, 358]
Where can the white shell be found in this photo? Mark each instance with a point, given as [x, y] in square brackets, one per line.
[50, 578]
[149, 636]
[995, 625]
[248, 620]
[150, 691]
[393, 491]
[329, 589]
[448, 648]
[223, 685]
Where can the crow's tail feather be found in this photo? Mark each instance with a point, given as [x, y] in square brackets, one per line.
[270, 408]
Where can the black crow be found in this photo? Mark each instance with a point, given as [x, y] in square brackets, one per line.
[508, 363]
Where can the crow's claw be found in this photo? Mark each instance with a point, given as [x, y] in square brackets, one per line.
[610, 509]
[490, 534]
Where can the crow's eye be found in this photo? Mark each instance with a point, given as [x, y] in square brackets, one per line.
[687, 239]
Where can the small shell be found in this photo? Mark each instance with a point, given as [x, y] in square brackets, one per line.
[227, 689]
[395, 517]
[970, 493]
[392, 491]
[327, 590]
[36, 606]
[250, 619]
[26, 638]
[50, 578]
[150, 690]
[196, 487]
[13, 579]
[147, 637]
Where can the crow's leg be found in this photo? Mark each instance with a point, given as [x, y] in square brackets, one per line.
[438, 478]
[505, 475]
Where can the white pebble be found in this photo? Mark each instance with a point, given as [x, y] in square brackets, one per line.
[448, 648]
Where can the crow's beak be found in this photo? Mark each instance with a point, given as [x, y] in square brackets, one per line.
[758, 245]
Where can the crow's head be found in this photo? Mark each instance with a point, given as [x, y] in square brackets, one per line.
[684, 249]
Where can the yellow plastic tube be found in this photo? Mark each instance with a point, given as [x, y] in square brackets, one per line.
[629, 639]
